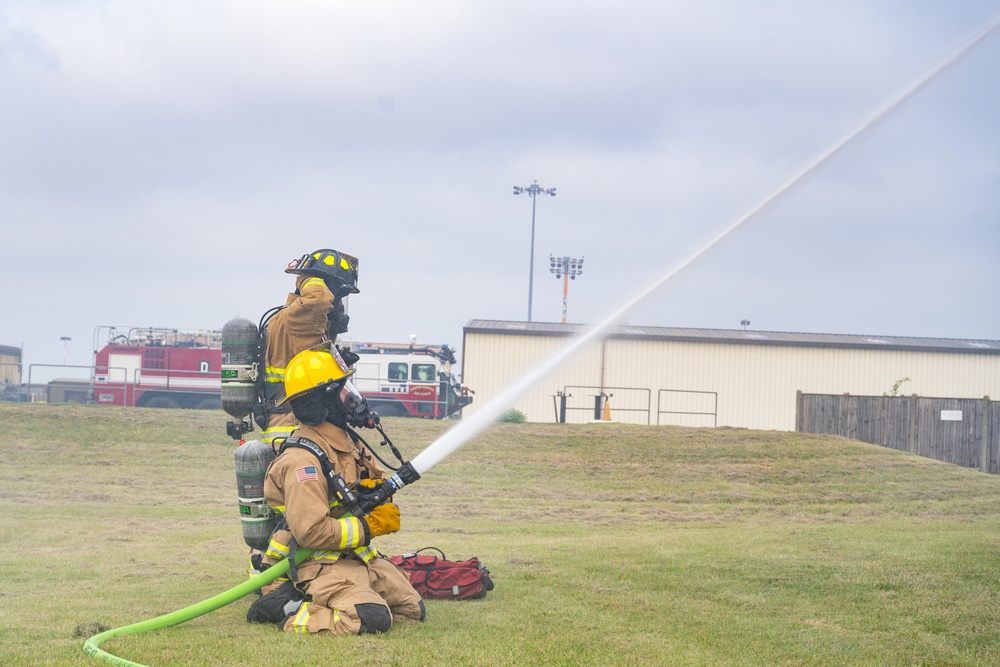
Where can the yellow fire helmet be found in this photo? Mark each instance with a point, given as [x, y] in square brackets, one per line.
[314, 368]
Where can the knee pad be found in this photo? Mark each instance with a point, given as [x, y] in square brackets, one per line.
[375, 618]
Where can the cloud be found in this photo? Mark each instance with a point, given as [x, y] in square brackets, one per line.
[166, 160]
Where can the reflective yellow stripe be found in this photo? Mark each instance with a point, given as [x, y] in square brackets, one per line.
[313, 281]
[275, 431]
[301, 619]
[277, 550]
[366, 553]
[350, 532]
[274, 374]
[269, 435]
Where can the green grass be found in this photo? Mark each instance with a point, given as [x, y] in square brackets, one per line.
[609, 545]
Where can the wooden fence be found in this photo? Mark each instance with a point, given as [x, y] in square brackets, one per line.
[963, 431]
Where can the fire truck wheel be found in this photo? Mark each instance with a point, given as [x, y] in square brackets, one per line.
[161, 402]
[209, 404]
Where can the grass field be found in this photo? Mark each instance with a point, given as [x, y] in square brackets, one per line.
[609, 545]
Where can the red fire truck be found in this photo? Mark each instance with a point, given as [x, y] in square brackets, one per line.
[171, 368]
[158, 368]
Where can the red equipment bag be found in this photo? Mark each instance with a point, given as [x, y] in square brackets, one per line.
[442, 579]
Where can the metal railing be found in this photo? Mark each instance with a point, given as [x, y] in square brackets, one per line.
[600, 399]
[714, 414]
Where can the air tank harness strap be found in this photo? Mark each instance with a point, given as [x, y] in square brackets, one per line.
[293, 546]
[282, 524]
[310, 446]
[274, 392]
[335, 485]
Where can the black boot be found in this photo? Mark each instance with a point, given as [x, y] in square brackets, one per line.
[276, 605]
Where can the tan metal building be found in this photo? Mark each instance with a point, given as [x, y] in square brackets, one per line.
[712, 377]
[10, 365]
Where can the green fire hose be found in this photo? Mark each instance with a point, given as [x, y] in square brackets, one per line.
[90, 647]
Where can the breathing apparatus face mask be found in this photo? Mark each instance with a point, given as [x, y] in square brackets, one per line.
[339, 319]
[336, 412]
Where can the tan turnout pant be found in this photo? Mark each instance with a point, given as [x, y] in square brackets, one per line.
[335, 589]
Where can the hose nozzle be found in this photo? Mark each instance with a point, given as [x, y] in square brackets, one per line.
[406, 474]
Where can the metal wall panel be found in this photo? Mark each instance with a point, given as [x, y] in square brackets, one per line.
[756, 384]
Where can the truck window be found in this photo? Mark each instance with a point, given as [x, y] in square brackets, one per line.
[397, 372]
[423, 372]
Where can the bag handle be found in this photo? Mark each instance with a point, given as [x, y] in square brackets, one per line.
[443, 557]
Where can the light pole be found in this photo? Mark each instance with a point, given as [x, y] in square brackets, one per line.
[65, 341]
[533, 191]
[567, 268]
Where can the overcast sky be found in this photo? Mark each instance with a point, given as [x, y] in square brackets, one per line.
[164, 161]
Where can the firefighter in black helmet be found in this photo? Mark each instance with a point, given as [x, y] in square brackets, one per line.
[313, 313]
[338, 271]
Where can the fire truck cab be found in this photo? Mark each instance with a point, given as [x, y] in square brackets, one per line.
[409, 381]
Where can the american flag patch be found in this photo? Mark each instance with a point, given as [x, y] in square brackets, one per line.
[306, 474]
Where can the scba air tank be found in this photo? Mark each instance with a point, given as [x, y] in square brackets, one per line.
[239, 366]
[257, 519]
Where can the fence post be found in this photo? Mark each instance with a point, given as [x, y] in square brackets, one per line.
[798, 411]
[844, 416]
[911, 445]
[984, 449]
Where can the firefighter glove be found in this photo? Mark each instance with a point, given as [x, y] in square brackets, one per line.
[383, 520]
[349, 356]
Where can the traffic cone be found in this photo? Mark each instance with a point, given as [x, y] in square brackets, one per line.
[607, 412]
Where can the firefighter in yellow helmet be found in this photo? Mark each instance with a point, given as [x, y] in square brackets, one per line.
[313, 313]
[345, 586]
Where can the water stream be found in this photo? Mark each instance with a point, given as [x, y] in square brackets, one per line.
[471, 426]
